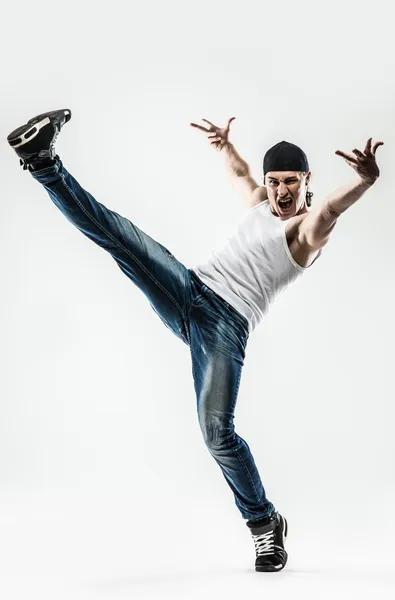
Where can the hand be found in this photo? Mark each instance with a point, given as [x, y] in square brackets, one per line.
[218, 136]
[364, 163]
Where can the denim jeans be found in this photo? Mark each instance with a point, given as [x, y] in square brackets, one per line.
[214, 331]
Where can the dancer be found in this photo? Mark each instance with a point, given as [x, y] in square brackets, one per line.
[214, 307]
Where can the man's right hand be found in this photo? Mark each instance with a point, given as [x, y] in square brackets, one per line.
[217, 136]
[239, 170]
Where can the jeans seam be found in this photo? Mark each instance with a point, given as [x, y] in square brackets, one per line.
[121, 246]
[235, 451]
[239, 455]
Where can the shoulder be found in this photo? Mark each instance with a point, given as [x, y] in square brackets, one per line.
[258, 195]
[292, 227]
[303, 255]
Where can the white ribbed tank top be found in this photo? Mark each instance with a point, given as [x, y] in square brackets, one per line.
[253, 266]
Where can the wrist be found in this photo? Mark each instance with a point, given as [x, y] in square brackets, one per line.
[227, 147]
[368, 182]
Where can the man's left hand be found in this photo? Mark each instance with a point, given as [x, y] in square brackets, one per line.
[364, 163]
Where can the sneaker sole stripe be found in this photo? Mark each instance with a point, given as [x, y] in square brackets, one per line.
[24, 140]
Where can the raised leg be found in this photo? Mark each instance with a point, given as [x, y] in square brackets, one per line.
[151, 266]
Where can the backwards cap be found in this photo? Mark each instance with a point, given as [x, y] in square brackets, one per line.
[285, 156]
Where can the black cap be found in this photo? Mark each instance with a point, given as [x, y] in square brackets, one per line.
[285, 156]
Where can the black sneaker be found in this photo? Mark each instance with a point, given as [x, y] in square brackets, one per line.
[269, 535]
[35, 142]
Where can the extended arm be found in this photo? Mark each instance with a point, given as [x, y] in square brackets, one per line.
[241, 178]
[239, 171]
[315, 229]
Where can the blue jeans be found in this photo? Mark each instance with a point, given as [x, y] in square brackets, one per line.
[214, 331]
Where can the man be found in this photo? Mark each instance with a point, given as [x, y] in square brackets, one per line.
[214, 307]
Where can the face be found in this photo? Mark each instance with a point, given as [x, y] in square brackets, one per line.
[286, 192]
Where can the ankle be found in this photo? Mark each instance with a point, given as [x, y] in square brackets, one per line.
[38, 165]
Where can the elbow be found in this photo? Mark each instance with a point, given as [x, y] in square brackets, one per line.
[242, 172]
[331, 213]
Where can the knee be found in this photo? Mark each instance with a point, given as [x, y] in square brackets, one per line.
[218, 432]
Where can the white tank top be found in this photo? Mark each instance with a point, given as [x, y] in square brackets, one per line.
[253, 266]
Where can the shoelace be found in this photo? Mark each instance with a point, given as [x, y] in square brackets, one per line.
[264, 543]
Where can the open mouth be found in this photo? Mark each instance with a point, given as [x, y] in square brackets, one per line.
[285, 204]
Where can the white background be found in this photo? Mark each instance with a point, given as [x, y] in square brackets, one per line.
[106, 487]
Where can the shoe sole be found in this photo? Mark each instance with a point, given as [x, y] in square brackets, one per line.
[26, 133]
[273, 569]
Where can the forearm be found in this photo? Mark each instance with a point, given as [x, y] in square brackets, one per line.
[237, 167]
[316, 228]
[344, 197]
[241, 178]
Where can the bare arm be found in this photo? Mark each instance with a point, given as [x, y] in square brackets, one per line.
[241, 177]
[315, 229]
[239, 171]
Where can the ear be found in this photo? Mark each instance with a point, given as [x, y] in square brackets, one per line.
[308, 177]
